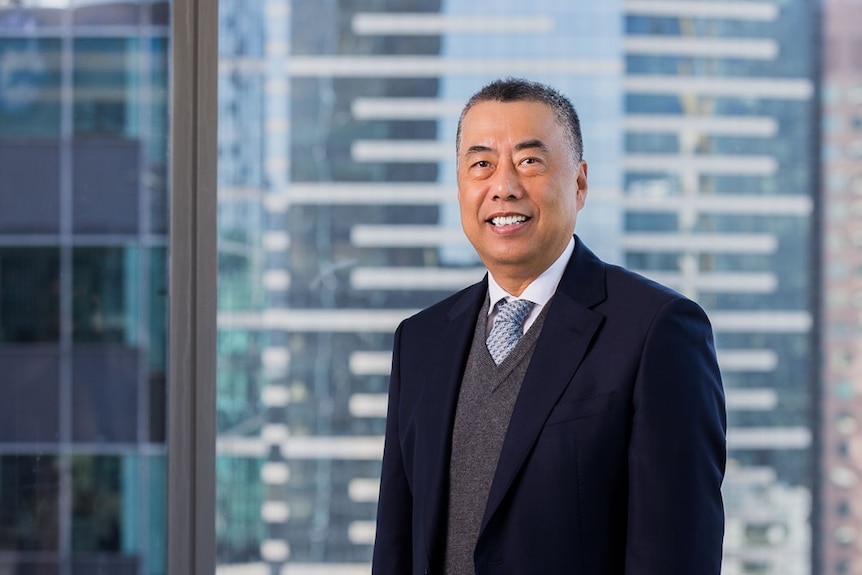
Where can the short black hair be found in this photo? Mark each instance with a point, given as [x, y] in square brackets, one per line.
[521, 90]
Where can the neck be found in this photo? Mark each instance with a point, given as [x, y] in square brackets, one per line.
[515, 279]
[514, 284]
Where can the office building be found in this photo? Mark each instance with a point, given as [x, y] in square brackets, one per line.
[83, 291]
[721, 165]
[337, 193]
[841, 287]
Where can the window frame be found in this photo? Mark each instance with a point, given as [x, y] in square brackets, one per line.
[192, 294]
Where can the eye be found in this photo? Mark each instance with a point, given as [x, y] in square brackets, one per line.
[530, 160]
[482, 164]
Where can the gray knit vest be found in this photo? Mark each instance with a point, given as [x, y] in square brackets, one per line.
[485, 402]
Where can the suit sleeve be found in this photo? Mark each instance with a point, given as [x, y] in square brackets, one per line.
[393, 542]
[677, 451]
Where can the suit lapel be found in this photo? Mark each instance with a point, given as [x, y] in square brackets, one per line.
[443, 384]
[569, 322]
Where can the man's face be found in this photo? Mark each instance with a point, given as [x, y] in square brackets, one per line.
[519, 187]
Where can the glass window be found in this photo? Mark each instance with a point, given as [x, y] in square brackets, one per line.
[31, 169]
[30, 80]
[29, 491]
[29, 300]
[83, 286]
[338, 217]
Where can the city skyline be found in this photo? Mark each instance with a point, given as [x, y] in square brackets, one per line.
[723, 139]
[698, 126]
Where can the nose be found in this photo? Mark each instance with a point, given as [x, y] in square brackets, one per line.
[506, 184]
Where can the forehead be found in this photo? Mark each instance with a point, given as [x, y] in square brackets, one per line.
[493, 121]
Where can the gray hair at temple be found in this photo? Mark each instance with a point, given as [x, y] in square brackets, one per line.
[520, 90]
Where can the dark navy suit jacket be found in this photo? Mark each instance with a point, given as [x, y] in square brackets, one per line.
[615, 452]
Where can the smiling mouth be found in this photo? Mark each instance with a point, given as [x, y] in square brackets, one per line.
[508, 220]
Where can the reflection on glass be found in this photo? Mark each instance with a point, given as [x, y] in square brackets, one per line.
[83, 287]
[29, 499]
[29, 302]
[105, 283]
[30, 82]
[337, 218]
[97, 503]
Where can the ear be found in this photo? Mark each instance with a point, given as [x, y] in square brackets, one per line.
[582, 184]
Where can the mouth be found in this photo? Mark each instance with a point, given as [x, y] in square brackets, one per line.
[502, 221]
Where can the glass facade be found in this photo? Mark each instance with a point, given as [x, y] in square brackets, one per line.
[720, 191]
[83, 292]
[338, 218]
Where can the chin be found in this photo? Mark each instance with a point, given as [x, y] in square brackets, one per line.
[510, 261]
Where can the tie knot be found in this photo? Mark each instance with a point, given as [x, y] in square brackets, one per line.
[514, 311]
[508, 328]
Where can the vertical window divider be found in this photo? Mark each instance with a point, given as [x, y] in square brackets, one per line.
[192, 292]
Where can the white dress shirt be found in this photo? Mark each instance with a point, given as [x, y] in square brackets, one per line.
[539, 291]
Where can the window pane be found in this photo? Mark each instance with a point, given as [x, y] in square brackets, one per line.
[29, 490]
[31, 79]
[29, 302]
[338, 217]
[83, 286]
[30, 169]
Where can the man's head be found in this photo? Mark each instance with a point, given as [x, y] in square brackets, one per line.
[520, 90]
[521, 181]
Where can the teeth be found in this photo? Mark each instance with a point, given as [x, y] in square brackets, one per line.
[508, 220]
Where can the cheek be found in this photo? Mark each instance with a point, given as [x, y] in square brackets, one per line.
[558, 204]
[468, 215]
[565, 211]
[570, 202]
[469, 203]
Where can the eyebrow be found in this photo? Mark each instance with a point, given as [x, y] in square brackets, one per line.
[529, 144]
[525, 145]
[477, 149]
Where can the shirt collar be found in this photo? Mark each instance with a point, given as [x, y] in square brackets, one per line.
[540, 289]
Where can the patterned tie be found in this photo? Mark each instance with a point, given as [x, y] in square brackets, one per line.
[508, 328]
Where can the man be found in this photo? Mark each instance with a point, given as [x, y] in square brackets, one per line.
[588, 441]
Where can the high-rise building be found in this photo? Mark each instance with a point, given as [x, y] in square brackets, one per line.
[721, 164]
[339, 218]
[83, 293]
[841, 288]
[358, 229]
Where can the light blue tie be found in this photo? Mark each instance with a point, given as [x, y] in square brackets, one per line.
[508, 328]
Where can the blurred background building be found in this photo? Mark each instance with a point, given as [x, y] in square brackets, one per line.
[83, 228]
[337, 218]
[840, 522]
[701, 129]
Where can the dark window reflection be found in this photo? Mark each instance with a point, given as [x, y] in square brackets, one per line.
[28, 503]
[104, 290]
[97, 503]
[29, 295]
[104, 524]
